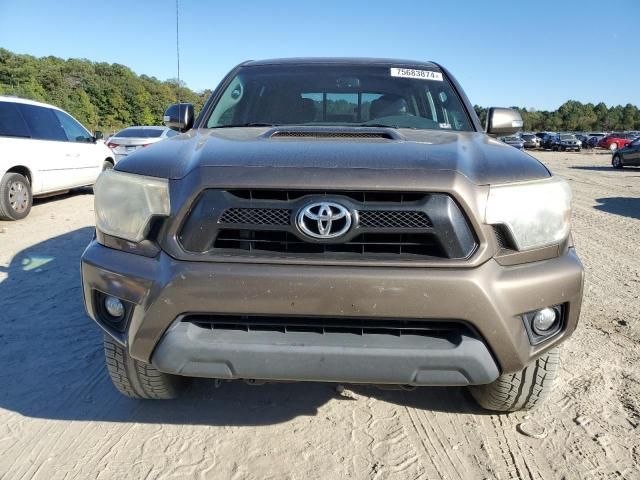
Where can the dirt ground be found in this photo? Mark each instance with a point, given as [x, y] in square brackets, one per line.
[60, 417]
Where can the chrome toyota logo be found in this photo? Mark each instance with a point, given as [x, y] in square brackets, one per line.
[324, 220]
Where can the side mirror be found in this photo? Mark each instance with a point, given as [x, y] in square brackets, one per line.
[503, 121]
[98, 135]
[179, 117]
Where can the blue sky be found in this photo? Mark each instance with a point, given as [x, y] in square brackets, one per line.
[536, 54]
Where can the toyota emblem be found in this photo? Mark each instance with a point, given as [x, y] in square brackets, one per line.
[324, 220]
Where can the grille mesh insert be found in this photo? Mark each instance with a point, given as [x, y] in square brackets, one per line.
[256, 216]
[393, 219]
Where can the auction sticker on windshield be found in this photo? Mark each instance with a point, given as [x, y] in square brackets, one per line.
[419, 74]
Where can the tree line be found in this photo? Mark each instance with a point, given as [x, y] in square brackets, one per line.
[574, 116]
[100, 95]
[108, 97]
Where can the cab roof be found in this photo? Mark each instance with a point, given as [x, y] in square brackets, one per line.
[340, 61]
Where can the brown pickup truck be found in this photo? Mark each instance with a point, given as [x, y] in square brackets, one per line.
[337, 220]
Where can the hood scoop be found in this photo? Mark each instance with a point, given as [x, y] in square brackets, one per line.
[333, 133]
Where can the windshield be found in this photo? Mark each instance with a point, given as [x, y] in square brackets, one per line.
[528, 137]
[140, 133]
[567, 137]
[340, 95]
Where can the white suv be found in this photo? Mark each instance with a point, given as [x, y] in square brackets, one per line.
[43, 150]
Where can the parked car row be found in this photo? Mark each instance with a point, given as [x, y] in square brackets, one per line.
[568, 141]
[44, 151]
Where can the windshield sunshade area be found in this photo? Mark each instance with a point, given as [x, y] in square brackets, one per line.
[420, 98]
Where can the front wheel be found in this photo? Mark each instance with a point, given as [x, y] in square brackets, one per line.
[135, 379]
[613, 146]
[616, 162]
[521, 390]
[15, 197]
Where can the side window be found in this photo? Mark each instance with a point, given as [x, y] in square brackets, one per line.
[11, 122]
[74, 131]
[171, 133]
[42, 123]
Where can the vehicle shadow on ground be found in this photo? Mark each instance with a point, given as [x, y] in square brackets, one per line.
[52, 364]
[624, 206]
[602, 168]
[62, 196]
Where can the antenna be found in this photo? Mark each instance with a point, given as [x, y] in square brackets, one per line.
[178, 56]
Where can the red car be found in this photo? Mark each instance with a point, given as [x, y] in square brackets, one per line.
[615, 141]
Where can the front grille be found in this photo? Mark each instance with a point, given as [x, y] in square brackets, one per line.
[386, 226]
[323, 325]
[256, 216]
[256, 241]
[394, 219]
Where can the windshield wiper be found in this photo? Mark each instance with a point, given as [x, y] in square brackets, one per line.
[384, 125]
[248, 124]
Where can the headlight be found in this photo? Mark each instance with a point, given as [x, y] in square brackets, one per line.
[536, 213]
[125, 203]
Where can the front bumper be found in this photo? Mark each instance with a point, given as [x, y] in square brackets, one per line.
[489, 298]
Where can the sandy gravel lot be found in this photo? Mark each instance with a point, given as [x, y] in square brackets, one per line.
[60, 418]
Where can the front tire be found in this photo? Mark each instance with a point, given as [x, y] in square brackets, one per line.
[15, 197]
[107, 165]
[613, 146]
[135, 379]
[616, 162]
[521, 390]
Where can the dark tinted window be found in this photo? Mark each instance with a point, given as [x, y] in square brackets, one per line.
[11, 122]
[42, 122]
[139, 133]
[75, 132]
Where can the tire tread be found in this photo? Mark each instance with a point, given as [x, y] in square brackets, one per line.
[136, 379]
[522, 390]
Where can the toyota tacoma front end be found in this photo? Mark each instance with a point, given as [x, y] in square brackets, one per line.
[339, 220]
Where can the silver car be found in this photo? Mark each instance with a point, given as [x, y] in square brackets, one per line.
[132, 138]
[530, 140]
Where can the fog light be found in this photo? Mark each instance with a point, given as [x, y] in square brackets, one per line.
[543, 320]
[114, 307]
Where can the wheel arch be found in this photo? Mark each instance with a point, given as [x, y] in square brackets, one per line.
[22, 170]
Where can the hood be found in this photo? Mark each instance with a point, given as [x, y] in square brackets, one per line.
[478, 157]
